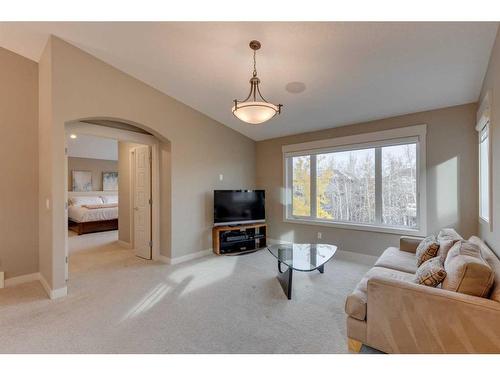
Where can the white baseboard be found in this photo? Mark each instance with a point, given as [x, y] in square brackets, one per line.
[52, 293]
[13, 281]
[124, 244]
[344, 254]
[45, 285]
[185, 258]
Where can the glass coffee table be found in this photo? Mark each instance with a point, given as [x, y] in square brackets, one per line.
[300, 257]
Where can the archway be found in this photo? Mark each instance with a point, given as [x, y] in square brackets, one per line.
[128, 131]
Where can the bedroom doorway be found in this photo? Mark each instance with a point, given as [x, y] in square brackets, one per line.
[115, 207]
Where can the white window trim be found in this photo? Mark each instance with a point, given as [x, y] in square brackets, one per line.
[483, 123]
[386, 137]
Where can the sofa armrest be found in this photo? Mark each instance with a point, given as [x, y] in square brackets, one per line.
[409, 244]
[404, 317]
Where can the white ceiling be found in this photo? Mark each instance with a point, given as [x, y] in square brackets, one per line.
[87, 146]
[353, 72]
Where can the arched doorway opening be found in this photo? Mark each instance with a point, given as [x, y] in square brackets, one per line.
[146, 234]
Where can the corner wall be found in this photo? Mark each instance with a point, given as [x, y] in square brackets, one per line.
[451, 178]
[18, 164]
[492, 83]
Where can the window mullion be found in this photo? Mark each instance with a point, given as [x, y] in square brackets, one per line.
[378, 185]
[313, 189]
[289, 187]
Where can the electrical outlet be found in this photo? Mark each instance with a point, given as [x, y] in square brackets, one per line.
[221, 177]
[320, 235]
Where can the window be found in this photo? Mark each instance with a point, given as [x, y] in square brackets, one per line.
[374, 183]
[399, 185]
[483, 128]
[345, 183]
[484, 194]
[301, 186]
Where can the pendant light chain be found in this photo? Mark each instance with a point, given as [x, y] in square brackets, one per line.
[254, 64]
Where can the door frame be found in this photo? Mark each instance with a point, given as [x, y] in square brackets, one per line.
[133, 137]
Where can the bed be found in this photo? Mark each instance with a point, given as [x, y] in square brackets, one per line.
[89, 214]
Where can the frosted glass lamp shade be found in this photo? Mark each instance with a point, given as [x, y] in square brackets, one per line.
[255, 112]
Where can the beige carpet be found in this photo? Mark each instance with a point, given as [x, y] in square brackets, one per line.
[118, 303]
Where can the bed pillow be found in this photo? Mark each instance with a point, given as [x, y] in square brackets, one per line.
[108, 199]
[82, 200]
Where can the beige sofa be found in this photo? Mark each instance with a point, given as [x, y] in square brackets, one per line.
[390, 312]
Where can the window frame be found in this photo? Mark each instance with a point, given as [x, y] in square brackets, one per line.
[377, 140]
[483, 125]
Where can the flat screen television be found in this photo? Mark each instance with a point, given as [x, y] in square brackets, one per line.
[233, 207]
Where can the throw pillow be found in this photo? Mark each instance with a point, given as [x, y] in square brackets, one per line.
[447, 237]
[427, 249]
[466, 270]
[431, 272]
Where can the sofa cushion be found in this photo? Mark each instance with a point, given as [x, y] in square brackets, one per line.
[427, 249]
[490, 257]
[355, 305]
[431, 272]
[447, 237]
[398, 260]
[467, 271]
[409, 244]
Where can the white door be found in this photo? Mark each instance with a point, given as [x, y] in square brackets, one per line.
[142, 202]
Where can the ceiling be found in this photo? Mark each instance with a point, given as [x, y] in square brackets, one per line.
[352, 72]
[87, 146]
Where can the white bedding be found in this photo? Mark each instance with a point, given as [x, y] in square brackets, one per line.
[81, 214]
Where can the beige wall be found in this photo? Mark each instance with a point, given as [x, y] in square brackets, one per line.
[18, 164]
[96, 166]
[492, 83]
[451, 178]
[79, 86]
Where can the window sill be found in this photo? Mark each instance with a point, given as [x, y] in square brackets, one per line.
[361, 227]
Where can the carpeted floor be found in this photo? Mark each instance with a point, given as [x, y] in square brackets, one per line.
[118, 303]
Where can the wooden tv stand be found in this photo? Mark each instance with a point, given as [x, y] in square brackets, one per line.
[239, 238]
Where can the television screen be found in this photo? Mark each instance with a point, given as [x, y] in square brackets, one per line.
[239, 206]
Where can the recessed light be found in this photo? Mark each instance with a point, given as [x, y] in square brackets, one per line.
[73, 136]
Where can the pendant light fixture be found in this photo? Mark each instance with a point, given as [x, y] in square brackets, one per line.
[255, 109]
